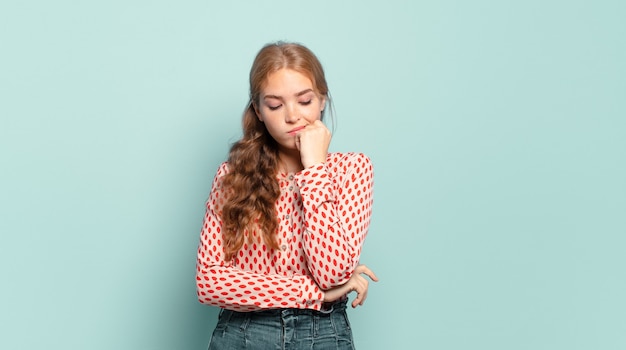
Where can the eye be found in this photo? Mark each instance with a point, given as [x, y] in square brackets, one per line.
[305, 103]
[273, 108]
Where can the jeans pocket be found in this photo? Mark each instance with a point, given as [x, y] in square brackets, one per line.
[343, 330]
[344, 314]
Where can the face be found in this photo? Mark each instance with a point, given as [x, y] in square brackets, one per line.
[288, 102]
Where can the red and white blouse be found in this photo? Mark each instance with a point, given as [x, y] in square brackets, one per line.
[323, 213]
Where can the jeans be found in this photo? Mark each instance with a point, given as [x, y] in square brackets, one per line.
[284, 329]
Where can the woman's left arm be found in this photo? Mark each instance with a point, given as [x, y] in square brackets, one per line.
[337, 200]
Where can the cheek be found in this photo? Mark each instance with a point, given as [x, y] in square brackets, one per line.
[314, 112]
[313, 116]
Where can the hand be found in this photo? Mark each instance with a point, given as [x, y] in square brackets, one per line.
[356, 283]
[313, 142]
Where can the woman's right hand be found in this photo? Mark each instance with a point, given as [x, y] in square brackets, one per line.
[313, 142]
[357, 283]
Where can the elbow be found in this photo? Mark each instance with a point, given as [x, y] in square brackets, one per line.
[204, 295]
[203, 287]
[201, 293]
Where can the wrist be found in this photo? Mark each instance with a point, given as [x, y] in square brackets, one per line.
[311, 163]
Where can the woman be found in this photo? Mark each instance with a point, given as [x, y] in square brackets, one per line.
[286, 220]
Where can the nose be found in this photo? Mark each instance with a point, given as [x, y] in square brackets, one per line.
[291, 114]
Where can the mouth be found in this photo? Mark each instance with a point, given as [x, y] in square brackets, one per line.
[295, 130]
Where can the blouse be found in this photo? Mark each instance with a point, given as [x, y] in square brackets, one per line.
[323, 214]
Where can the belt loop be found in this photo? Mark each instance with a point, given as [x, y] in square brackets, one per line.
[226, 314]
[246, 321]
[316, 325]
[327, 308]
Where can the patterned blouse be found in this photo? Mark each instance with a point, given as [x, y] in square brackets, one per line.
[323, 213]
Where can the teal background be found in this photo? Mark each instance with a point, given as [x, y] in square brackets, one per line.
[497, 130]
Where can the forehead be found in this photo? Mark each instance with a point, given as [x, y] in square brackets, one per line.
[286, 82]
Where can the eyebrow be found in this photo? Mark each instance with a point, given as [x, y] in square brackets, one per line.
[303, 92]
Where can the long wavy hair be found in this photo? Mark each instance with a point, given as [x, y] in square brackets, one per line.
[251, 186]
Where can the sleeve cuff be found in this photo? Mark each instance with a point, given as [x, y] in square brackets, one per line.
[315, 185]
[312, 296]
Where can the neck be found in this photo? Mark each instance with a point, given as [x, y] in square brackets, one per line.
[289, 161]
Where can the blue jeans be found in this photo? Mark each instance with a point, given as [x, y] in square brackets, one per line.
[283, 329]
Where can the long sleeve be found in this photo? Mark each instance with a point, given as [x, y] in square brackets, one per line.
[337, 201]
[240, 285]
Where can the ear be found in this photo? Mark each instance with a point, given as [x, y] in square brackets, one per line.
[323, 103]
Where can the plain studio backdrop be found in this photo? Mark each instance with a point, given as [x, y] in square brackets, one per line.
[497, 130]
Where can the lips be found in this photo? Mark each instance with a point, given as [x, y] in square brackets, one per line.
[295, 130]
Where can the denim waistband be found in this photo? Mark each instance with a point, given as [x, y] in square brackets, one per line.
[327, 309]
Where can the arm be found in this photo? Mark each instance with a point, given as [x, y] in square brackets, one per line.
[337, 199]
[221, 283]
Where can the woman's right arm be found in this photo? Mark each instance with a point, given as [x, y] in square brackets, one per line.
[220, 283]
[357, 283]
